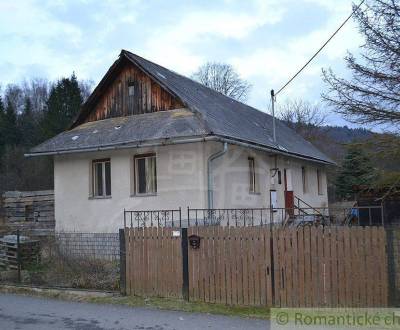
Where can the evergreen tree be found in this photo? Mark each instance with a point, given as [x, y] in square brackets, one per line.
[62, 106]
[10, 127]
[2, 122]
[356, 170]
[27, 125]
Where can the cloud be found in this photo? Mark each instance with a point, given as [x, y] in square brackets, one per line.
[266, 40]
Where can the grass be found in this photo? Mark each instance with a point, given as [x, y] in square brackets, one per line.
[158, 303]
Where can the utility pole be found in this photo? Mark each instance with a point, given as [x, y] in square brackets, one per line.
[273, 114]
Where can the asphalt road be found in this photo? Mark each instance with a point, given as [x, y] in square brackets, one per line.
[22, 312]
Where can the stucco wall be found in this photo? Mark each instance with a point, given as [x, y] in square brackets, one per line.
[181, 182]
[231, 177]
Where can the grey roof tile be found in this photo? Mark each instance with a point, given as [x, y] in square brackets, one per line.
[211, 113]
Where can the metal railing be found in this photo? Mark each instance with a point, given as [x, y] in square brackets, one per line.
[242, 217]
[153, 218]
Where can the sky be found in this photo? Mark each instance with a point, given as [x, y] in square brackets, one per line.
[266, 41]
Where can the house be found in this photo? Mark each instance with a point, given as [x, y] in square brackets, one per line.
[149, 138]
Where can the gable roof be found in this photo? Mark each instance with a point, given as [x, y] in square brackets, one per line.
[215, 113]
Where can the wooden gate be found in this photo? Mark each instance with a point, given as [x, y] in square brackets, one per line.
[232, 266]
[259, 266]
[153, 262]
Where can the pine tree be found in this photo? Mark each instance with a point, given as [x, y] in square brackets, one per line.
[10, 128]
[356, 170]
[62, 106]
[2, 123]
[27, 125]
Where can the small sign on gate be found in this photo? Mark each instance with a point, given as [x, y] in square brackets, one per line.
[176, 233]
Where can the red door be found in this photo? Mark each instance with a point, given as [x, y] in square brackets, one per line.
[289, 196]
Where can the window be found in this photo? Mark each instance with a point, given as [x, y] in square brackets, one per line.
[252, 176]
[101, 178]
[145, 174]
[279, 177]
[319, 182]
[131, 89]
[304, 179]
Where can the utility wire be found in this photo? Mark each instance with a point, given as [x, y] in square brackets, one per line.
[322, 47]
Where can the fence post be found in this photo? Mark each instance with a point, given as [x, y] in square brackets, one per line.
[185, 264]
[122, 262]
[18, 257]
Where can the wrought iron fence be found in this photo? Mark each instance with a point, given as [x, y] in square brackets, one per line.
[153, 218]
[241, 217]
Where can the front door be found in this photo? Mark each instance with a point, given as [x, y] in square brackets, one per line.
[289, 196]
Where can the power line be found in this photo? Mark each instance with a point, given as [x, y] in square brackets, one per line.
[322, 47]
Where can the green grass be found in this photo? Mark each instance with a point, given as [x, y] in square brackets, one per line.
[158, 303]
[181, 305]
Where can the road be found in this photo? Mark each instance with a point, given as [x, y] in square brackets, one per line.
[22, 312]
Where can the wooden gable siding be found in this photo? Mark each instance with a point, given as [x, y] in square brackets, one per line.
[148, 96]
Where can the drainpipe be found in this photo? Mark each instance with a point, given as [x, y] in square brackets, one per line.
[209, 173]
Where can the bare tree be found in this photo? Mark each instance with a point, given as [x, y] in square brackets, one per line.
[372, 95]
[304, 117]
[224, 79]
[86, 87]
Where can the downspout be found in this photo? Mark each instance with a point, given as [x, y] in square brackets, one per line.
[209, 173]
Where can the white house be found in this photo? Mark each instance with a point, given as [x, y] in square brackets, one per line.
[148, 139]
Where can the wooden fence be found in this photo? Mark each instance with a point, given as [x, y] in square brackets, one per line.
[153, 262]
[257, 266]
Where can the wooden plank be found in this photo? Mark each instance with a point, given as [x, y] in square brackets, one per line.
[375, 283]
[314, 267]
[295, 268]
[222, 264]
[307, 267]
[277, 273]
[211, 263]
[245, 251]
[349, 259]
[334, 268]
[228, 264]
[384, 266]
[321, 266]
[301, 273]
[328, 267]
[268, 255]
[363, 268]
[257, 247]
[341, 268]
[263, 264]
[235, 240]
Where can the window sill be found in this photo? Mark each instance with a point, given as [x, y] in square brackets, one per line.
[254, 193]
[144, 195]
[99, 197]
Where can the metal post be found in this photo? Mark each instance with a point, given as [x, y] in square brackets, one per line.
[185, 264]
[122, 262]
[273, 114]
[18, 257]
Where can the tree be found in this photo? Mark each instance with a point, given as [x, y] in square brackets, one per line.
[2, 126]
[303, 117]
[224, 79]
[10, 128]
[27, 125]
[63, 104]
[372, 95]
[356, 170]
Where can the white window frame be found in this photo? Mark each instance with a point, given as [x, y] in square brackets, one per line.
[95, 193]
[304, 179]
[136, 174]
[319, 182]
[253, 179]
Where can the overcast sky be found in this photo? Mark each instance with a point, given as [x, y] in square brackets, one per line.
[265, 40]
